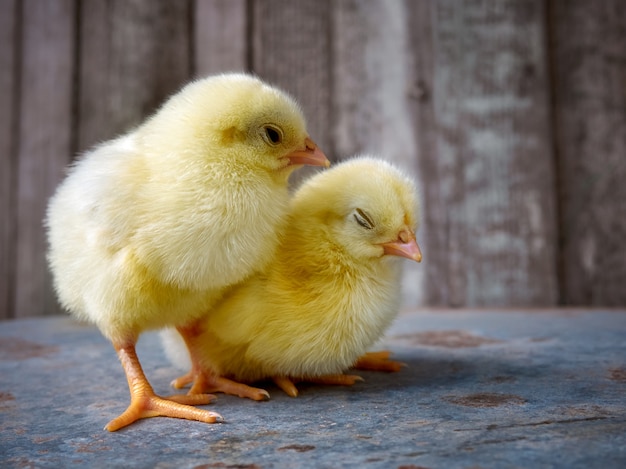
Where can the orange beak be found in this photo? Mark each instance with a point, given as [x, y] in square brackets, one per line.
[310, 155]
[405, 246]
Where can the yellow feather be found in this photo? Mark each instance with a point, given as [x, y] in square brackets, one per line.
[328, 294]
[149, 228]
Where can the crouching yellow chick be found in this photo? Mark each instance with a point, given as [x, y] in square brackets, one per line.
[331, 291]
[149, 229]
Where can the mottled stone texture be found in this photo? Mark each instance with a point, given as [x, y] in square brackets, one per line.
[481, 389]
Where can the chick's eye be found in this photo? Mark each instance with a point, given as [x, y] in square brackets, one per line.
[363, 219]
[272, 135]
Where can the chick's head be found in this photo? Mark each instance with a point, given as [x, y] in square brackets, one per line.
[368, 207]
[237, 119]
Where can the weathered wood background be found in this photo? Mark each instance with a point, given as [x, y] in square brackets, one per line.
[510, 113]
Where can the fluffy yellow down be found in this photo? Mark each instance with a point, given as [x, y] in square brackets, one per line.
[147, 230]
[328, 294]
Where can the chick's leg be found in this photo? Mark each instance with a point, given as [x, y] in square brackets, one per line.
[203, 379]
[145, 403]
[191, 336]
[378, 361]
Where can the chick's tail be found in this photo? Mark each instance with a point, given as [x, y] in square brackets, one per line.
[145, 403]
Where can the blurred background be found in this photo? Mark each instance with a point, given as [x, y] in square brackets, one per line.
[511, 115]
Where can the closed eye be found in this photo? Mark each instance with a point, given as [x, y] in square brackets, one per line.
[363, 219]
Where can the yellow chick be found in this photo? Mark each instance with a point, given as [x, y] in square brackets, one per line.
[148, 229]
[331, 291]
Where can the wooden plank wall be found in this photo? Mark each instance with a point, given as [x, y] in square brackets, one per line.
[44, 139]
[588, 50]
[510, 114]
[8, 114]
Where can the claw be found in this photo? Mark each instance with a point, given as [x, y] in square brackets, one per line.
[287, 385]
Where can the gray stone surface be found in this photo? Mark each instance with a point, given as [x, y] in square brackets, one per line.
[535, 389]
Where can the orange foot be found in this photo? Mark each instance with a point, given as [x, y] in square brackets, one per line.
[288, 385]
[378, 361]
[204, 382]
[145, 403]
[203, 379]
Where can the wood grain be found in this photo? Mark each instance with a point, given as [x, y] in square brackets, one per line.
[589, 59]
[9, 87]
[220, 36]
[133, 54]
[372, 85]
[492, 230]
[420, 101]
[45, 132]
[370, 71]
[510, 114]
[291, 49]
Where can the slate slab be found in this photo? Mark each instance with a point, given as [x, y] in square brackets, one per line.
[482, 389]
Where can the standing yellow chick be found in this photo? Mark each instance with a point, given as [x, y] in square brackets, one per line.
[329, 294]
[148, 229]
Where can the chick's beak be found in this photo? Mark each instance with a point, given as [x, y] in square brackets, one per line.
[405, 246]
[310, 155]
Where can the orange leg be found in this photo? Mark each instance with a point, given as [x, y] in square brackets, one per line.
[204, 380]
[378, 361]
[145, 403]
[190, 335]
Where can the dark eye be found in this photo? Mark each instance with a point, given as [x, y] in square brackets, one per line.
[272, 135]
[363, 219]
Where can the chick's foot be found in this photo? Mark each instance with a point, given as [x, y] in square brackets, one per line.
[208, 383]
[288, 385]
[183, 381]
[336, 380]
[378, 361]
[205, 381]
[144, 403]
